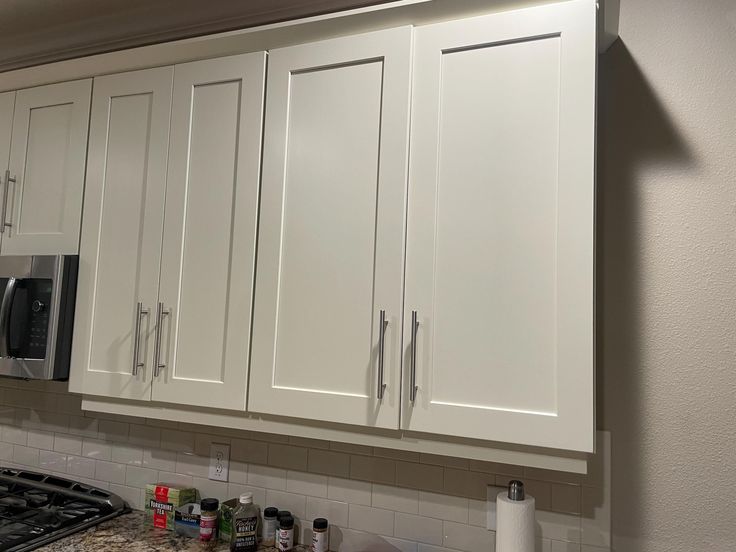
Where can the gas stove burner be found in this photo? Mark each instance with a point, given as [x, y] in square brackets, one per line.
[36, 509]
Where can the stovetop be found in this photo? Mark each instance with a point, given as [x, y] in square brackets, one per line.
[36, 509]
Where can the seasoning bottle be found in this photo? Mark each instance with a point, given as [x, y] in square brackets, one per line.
[286, 533]
[270, 526]
[244, 537]
[208, 519]
[320, 535]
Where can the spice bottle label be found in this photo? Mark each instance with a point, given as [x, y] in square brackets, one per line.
[246, 538]
[207, 527]
[319, 541]
[286, 539]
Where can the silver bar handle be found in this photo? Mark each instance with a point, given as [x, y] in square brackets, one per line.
[4, 214]
[5, 307]
[413, 372]
[157, 364]
[140, 313]
[381, 347]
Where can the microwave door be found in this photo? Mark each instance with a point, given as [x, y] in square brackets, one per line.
[9, 286]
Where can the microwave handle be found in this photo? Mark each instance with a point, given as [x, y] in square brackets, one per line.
[5, 308]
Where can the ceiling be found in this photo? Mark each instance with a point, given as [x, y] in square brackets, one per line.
[33, 32]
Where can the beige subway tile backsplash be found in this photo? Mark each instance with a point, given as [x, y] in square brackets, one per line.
[376, 470]
[419, 476]
[327, 462]
[287, 456]
[416, 502]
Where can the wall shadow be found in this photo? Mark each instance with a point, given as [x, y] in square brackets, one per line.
[634, 132]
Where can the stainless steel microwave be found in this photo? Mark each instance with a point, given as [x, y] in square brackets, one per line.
[37, 315]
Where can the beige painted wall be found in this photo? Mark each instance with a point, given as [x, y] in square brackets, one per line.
[667, 274]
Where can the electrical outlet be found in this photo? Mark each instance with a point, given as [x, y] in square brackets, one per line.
[491, 494]
[219, 461]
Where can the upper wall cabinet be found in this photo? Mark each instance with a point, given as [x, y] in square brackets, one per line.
[327, 322]
[498, 320]
[168, 241]
[43, 188]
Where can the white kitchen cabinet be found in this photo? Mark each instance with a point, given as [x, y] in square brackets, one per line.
[120, 249]
[330, 252]
[209, 239]
[500, 247]
[47, 163]
[168, 240]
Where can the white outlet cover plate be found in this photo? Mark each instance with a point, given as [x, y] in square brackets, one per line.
[491, 494]
[219, 461]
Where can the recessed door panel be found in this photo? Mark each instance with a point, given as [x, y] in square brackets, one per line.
[330, 253]
[495, 249]
[210, 231]
[121, 234]
[327, 260]
[500, 229]
[7, 106]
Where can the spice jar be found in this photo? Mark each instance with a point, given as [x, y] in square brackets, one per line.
[270, 526]
[320, 535]
[208, 519]
[286, 534]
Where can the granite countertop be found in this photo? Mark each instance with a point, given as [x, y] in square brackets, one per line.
[127, 533]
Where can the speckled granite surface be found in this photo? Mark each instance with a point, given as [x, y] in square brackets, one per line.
[127, 533]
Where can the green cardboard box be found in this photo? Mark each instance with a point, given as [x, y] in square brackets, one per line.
[227, 509]
[162, 499]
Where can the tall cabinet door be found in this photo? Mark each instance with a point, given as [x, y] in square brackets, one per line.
[330, 255]
[7, 105]
[121, 235]
[47, 160]
[500, 246]
[210, 232]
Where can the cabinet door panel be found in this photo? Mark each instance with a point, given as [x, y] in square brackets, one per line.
[500, 231]
[330, 252]
[7, 105]
[210, 231]
[121, 233]
[48, 155]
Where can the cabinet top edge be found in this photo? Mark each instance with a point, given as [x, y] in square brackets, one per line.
[117, 58]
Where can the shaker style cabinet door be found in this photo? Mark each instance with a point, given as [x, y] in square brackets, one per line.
[330, 253]
[500, 246]
[47, 161]
[208, 256]
[121, 235]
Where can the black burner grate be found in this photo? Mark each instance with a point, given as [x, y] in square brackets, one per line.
[36, 509]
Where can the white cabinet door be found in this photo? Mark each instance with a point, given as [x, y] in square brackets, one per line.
[121, 235]
[47, 160]
[208, 254]
[330, 253]
[7, 105]
[500, 246]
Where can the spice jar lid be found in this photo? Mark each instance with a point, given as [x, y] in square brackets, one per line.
[270, 512]
[320, 523]
[282, 513]
[209, 504]
[286, 522]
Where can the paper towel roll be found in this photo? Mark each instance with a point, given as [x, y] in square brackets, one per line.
[514, 524]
